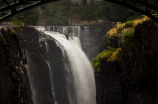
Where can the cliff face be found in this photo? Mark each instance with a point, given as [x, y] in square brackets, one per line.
[45, 67]
[14, 83]
[136, 81]
[37, 67]
[139, 71]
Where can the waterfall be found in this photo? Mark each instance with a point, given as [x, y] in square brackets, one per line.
[67, 76]
[31, 79]
[82, 32]
[81, 68]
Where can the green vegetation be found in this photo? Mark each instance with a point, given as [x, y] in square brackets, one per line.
[17, 29]
[104, 10]
[111, 54]
[123, 30]
[128, 38]
[29, 17]
[89, 12]
[125, 33]
[17, 23]
[57, 12]
[128, 24]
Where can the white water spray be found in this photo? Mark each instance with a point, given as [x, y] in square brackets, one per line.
[81, 68]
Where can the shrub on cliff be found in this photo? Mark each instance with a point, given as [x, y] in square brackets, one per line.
[111, 54]
[128, 38]
[128, 24]
[125, 31]
[115, 32]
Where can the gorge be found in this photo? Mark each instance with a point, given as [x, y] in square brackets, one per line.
[37, 66]
[68, 65]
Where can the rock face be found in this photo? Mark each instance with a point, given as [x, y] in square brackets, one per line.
[136, 81]
[37, 67]
[43, 55]
[14, 83]
[108, 84]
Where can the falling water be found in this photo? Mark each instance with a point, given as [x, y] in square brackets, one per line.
[82, 32]
[81, 68]
[50, 72]
[68, 76]
[33, 90]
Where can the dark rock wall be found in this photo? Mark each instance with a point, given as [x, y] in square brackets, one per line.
[44, 77]
[108, 85]
[136, 81]
[37, 67]
[14, 83]
[139, 71]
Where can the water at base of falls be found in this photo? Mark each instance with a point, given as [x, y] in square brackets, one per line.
[76, 73]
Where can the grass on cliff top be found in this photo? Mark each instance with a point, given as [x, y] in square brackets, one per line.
[117, 30]
[125, 31]
[111, 54]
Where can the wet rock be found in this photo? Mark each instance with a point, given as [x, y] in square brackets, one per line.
[14, 83]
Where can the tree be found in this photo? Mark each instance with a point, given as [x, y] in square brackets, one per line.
[29, 17]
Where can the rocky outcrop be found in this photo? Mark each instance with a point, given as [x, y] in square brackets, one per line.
[14, 83]
[136, 80]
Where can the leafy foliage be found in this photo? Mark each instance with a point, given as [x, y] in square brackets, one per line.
[140, 21]
[128, 24]
[17, 23]
[57, 12]
[115, 55]
[111, 54]
[90, 12]
[125, 31]
[104, 10]
[115, 32]
[29, 17]
[128, 38]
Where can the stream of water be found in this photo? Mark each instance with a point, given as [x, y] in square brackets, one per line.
[78, 71]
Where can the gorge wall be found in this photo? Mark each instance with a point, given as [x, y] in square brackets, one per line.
[40, 60]
[14, 83]
[136, 80]
[16, 44]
